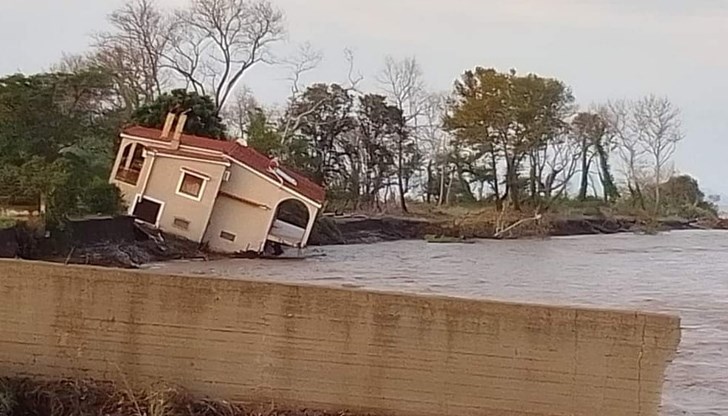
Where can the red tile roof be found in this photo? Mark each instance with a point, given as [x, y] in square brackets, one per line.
[243, 154]
[182, 153]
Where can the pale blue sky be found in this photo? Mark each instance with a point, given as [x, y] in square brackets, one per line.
[602, 49]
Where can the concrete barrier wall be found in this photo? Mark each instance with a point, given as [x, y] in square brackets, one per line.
[329, 348]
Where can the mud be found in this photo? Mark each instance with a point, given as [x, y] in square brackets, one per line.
[364, 229]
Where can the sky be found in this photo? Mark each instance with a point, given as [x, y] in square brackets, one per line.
[602, 49]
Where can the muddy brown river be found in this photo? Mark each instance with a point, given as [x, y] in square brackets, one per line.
[682, 272]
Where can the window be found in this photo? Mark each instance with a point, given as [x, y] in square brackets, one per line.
[191, 185]
[181, 223]
[227, 236]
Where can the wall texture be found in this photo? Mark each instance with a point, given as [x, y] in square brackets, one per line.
[331, 348]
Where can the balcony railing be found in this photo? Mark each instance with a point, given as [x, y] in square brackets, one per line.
[285, 233]
[130, 176]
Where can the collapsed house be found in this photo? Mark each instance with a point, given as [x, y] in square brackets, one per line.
[220, 193]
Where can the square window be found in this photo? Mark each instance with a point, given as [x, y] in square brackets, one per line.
[227, 236]
[191, 186]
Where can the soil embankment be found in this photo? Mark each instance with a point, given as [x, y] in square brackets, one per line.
[372, 229]
[120, 242]
[112, 242]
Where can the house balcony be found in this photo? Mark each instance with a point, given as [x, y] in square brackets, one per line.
[128, 176]
[286, 234]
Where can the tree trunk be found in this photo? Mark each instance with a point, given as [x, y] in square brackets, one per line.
[400, 173]
[512, 182]
[532, 181]
[496, 185]
[428, 194]
[657, 190]
[449, 189]
[584, 185]
[402, 200]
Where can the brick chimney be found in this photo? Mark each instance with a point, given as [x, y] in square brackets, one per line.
[168, 123]
[181, 121]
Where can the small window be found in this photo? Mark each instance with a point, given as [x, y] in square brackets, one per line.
[227, 236]
[181, 223]
[191, 186]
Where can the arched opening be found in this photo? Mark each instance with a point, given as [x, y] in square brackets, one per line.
[130, 166]
[290, 223]
[293, 212]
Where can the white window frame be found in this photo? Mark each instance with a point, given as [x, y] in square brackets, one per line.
[138, 199]
[196, 175]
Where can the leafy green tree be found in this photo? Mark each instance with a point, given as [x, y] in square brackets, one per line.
[47, 121]
[508, 116]
[262, 135]
[202, 114]
[320, 117]
[377, 123]
[592, 133]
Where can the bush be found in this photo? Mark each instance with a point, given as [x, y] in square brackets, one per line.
[102, 197]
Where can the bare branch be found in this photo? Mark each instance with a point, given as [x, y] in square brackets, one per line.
[216, 42]
[305, 59]
[133, 50]
[403, 84]
[354, 77]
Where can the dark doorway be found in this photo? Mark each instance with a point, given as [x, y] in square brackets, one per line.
[147, 210]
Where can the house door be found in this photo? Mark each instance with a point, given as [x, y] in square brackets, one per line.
[147, 210]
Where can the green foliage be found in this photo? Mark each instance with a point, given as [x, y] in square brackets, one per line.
[262, 135]
[101, 197]
[681, 196]
[323, 116]
[56, 135]
[505, 117]
[202, 116]
[592, 134]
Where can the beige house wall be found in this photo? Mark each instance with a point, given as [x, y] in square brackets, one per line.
[331, 348]
[159, 181]
[163, 184]
[251, 221]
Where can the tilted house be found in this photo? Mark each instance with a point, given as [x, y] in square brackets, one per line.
[221, 193]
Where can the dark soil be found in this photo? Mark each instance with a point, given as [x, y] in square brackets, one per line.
[362, 229]
[26, 397]
[111, 242]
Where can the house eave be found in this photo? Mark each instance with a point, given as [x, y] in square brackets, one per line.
[299, 195]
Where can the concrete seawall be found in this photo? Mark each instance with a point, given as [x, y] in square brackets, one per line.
[331, 349]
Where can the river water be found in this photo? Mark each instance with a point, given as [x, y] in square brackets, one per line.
[683, 272]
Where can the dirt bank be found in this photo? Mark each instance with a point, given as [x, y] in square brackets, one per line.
[112, 242]
[371, 229]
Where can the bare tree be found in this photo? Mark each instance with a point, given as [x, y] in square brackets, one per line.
[132, 51]
[560, 166]
[402, 82]
[434, 143]
[214, 43]
[628, 136]
[306, 60]
[237, 113]
[659, 121]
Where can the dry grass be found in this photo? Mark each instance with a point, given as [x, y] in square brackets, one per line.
[26, 397]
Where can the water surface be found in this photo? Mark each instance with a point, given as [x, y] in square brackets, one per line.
[680, 272]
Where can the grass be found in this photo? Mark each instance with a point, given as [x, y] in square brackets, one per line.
[6, 222]
[23, 396]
